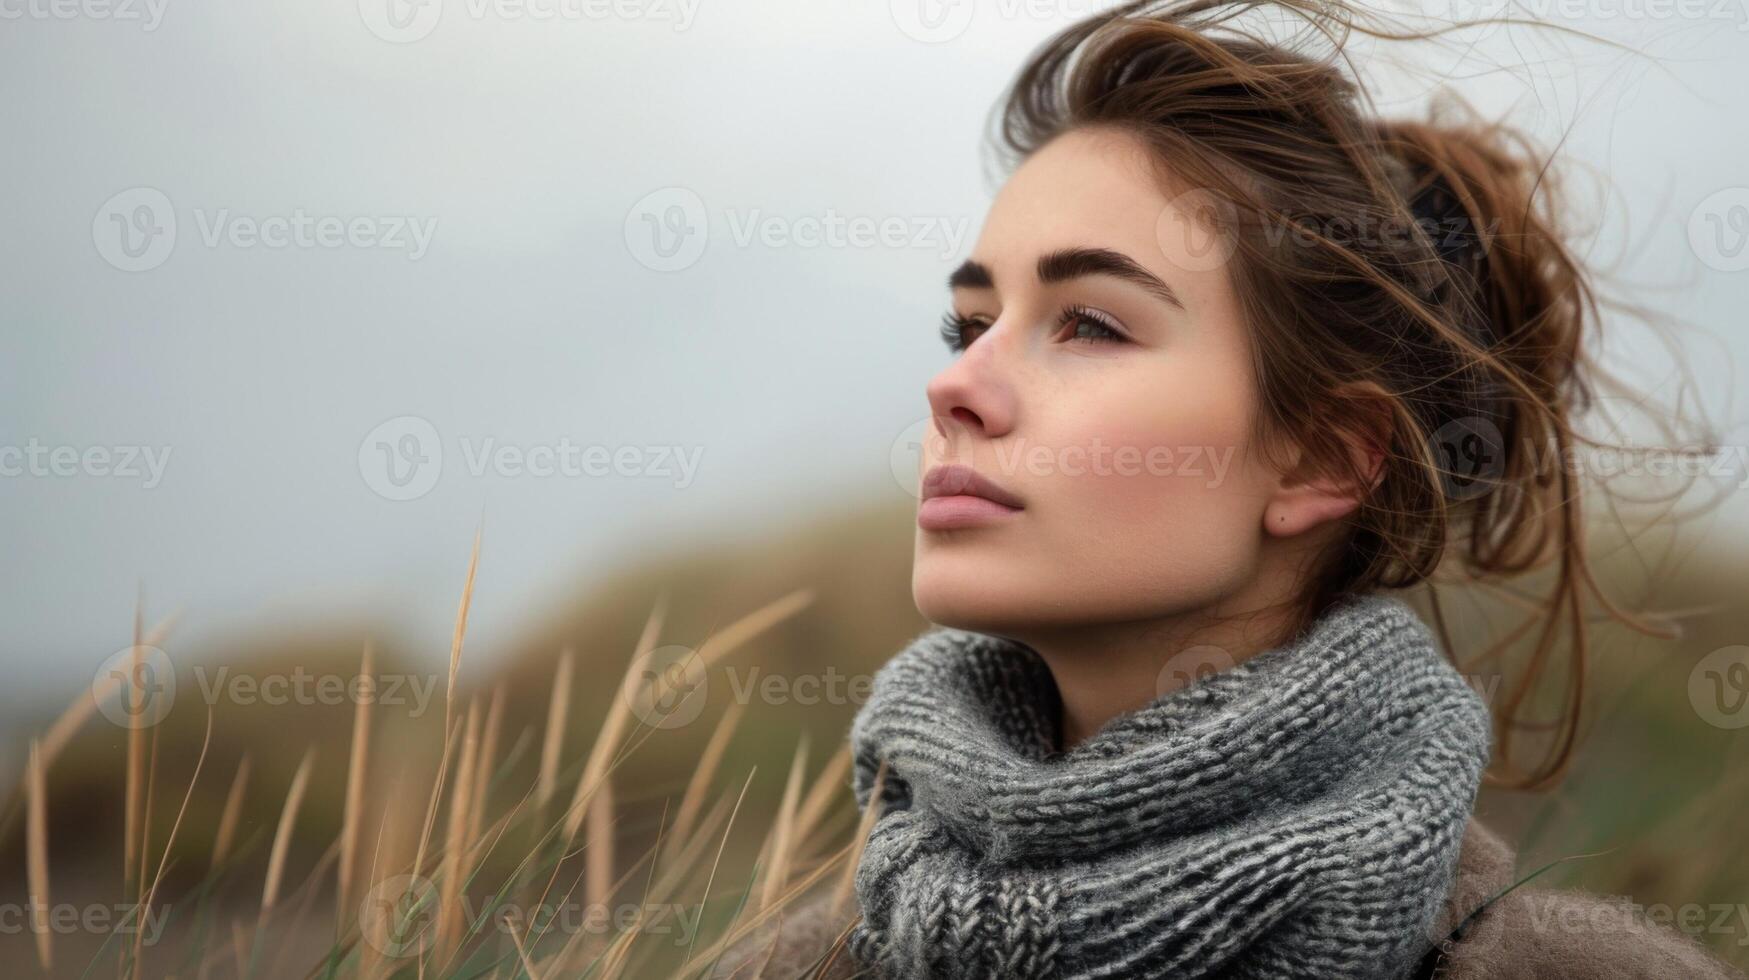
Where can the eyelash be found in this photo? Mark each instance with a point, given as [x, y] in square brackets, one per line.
[954, 327]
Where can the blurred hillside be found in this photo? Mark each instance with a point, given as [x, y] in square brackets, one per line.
[1656, 787]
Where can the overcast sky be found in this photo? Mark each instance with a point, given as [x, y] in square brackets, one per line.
[272, 260]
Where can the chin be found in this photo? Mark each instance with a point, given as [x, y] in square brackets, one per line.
[966, 593]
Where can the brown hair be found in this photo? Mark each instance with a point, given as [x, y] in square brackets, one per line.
[1407, 289]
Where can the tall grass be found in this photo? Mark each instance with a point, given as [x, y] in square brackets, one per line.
[459, 866]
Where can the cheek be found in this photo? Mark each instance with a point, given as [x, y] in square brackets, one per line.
[1160, 450]
[1171, 510]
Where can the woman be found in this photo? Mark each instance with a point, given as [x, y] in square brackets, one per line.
[1234, 359]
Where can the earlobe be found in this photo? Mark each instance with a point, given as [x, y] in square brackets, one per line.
[1299, 509]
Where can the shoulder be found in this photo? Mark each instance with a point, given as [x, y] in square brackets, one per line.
[1545, 933]
[793, 943]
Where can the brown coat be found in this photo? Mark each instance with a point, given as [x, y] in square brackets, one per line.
[1529, 934]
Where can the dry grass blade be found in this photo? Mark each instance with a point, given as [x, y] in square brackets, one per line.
[288, 816]
[435, 799]
[136, 753]
[717, 862]
[232, 812]
[483, 767]
[455, 843]
[863, 827]
[522, 954]
[461, 630]
[723, 812]
[827, 786]
[169, 842]
[740, 930]
[781, 841]
[836, 950]
[557, 712]
[371, 953]
[705, 773]
[353, 809]
[719, 645]
[598, 852]
[146, 821]
[240, 947]
[613, 726]
[684, 861]
[37, 859]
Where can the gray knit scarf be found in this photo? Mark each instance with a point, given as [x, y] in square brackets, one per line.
[1296, 815]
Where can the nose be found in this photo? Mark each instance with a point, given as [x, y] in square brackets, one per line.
[975, 393]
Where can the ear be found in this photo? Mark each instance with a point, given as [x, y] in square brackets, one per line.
[1306, 498]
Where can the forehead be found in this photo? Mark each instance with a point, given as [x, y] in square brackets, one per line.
[1083, 176]
[1096, 188]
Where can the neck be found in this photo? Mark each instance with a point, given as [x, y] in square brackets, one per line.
[1106, 669]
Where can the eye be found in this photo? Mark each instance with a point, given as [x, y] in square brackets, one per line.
[958, 332]
[1091, 326]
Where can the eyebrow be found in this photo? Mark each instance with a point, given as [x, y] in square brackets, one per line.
[1066, 264]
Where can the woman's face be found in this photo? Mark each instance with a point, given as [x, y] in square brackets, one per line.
[1105, 384]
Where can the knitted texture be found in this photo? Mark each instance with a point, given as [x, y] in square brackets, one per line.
[1296, 815]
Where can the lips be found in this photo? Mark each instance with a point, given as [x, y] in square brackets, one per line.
[956, 479]
[956, 496]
